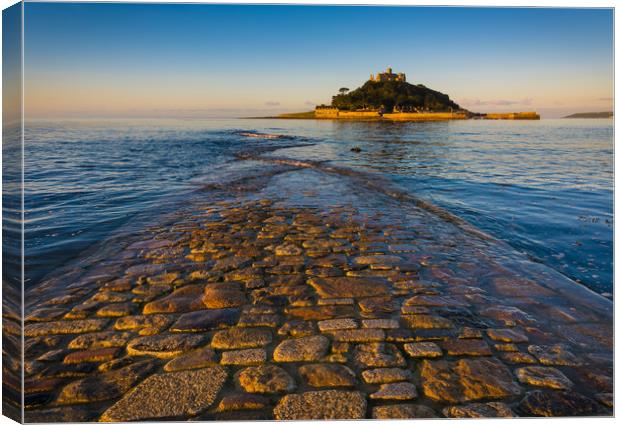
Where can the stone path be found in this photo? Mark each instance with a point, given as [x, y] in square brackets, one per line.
[253, 310]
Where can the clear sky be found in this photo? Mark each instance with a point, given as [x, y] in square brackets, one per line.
[205, 60]
[11, 65]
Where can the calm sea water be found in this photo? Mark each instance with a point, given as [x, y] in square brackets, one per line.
[544, 187]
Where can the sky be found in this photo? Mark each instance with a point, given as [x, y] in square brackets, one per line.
[11, 65]
[99, 60]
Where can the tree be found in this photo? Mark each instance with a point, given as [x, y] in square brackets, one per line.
[390, 94]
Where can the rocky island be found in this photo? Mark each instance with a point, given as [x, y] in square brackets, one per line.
[388, 96]
[591, 115]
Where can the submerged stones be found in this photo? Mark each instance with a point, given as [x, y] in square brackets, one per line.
[329, 404]
[107, 385]
[508, 315]
[310, 348]
[163, 346]
[327, 375]
[403, 411]
[297, 328]
[606, 399]
[115, 310]
[321, 312]
[386, 375]
[492, 409]
[359, 335]
[395, 391]
[265, 379]
[381, 304]
[543, 377]
[433, 301]
[378, 355]
[557, 354]
[249, 357]
[423, 349]
[222, 297]
[231, 263]
[379, 262]
[184, 299]
[466, 347]
[235, 338]
[205, 320]
[507, 335]
[427, 321]
[195, 359]
[152, 323]
[336, 324]
[100, 340]
[349, 287]
[288, 250]
[65, 327]
[380, 324]
[169, 395]
[517, 358]
[466, 380]
[242, 401]
[557, 403]
[93, 355]
[517, 287]
[63, 414]
[262, 311]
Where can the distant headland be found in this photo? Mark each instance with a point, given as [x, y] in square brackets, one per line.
[591, 115]
[388, 96]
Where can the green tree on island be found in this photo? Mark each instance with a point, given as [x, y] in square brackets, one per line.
[389, 95]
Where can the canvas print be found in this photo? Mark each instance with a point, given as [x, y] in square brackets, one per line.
[222, 212]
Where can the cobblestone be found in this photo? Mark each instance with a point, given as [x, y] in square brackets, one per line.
[257, 311]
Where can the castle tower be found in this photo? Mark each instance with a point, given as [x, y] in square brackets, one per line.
[388, 75]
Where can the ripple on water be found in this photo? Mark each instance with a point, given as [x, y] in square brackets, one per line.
[543, 187]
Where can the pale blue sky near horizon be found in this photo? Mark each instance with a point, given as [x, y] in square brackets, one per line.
[110, 59]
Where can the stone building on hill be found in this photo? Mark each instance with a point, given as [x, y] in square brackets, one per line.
[388, 75]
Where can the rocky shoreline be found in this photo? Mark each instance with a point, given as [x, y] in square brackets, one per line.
[251, 310]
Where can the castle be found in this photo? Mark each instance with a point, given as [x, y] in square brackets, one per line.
[388, 76]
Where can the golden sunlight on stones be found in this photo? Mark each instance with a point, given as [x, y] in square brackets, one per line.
[256, 311]
[467, 380]
[169, 395]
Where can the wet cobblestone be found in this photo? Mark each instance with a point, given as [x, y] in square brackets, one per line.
[254, 310]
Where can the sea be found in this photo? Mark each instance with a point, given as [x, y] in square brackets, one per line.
[544, 188]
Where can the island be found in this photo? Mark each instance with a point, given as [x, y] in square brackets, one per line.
[388, 96]
[591, 115]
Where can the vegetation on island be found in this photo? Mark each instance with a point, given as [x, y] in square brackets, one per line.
[591, 115]
[390, 95]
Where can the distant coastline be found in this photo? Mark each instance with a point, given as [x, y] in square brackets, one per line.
[609, 114]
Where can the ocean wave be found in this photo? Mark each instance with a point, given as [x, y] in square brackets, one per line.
[257, 135]
[382, 185]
